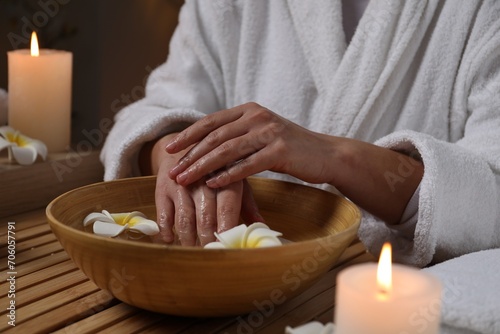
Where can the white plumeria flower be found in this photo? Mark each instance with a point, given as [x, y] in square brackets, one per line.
[23, 149]
[254, 236]
[112, 224]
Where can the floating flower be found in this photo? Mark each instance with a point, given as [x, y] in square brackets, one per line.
[112, 224]
[23, 149]
[254, 236]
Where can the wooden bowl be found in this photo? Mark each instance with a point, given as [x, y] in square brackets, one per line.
[192, 281]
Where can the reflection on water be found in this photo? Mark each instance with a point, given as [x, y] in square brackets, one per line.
[131, 235]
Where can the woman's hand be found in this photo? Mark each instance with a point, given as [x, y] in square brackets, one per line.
[242, 141]
[232, 144]
[194, 212]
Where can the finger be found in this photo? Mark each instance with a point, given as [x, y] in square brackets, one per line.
[226, 154]
[249, 209]
[165, 221]
[222, 135]
[185, 217]
[229, 206]
[202, 128]
[206, 213]
[258, 162]
[164, 213]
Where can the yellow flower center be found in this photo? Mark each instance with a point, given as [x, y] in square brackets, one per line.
[15, 138]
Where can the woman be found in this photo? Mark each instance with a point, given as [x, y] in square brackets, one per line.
[403, 119]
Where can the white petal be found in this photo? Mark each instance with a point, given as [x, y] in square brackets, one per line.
[24, 155]
[35, 146]
[4, 143]
[123, 218]
[267, 242]
[254, 226]
[146, 226]
[108, 229]
[214, 245]
[119, 218]
[233, 237]
[267, 231]
[135, 220]
[94, 216]
[39, 147]
[6, 130]
[105, 212]
[131, 215]
[260, 235]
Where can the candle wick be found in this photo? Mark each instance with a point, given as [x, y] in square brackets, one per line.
[384, 293]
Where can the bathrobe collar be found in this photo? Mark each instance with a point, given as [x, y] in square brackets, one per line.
[313, 36]
[361, 69]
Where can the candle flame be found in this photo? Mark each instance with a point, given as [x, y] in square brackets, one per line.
[34, 45]
[384, 269]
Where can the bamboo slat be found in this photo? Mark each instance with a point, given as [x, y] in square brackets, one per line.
[31, 243]
[119, 313]
[136, 323]
[53, 295]
[32, 232]
[47, 288]
[65, 315]
[55, 300]
[34, 253]
[41, 263]
[25, 220]
[171, 326]
[45, 274]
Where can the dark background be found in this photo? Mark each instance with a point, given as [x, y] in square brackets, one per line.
[115, 44]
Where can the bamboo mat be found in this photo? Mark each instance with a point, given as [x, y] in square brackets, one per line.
[53, 295]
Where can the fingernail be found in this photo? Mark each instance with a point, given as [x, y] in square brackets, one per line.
[211, 182]
[170, 146]
[218, 181]
[174, 171]
[168, 238]
[182, 177]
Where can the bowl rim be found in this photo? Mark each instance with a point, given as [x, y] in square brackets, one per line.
[156, 246]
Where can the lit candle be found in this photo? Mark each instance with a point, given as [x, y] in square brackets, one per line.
[388, 299]
[40, 94]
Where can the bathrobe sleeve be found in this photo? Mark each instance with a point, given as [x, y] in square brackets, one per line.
[460, 190]
[179, 92]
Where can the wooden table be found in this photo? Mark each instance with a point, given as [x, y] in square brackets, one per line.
[53, 295]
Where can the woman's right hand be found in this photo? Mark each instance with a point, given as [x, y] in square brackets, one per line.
[193, 213]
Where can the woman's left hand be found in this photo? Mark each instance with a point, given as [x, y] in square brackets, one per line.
[235, 143]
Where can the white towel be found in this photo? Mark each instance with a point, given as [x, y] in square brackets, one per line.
[471, 293]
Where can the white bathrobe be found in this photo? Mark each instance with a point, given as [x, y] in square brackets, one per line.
[417, 74]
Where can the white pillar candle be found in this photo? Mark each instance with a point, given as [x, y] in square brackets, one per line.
[411, 304]
[40, 95]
